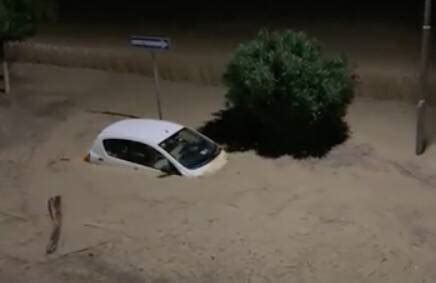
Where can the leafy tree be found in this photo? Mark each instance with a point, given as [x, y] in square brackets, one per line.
[288, 90]
[46, 10]
[16, 23]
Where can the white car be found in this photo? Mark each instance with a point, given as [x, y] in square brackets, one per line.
[157, 145]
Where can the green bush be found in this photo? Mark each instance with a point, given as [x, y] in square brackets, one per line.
[16, 19]
[283, 84]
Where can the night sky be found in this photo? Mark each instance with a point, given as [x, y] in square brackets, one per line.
[135, 10]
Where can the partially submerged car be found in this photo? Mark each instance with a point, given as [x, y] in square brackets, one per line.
[157, 145]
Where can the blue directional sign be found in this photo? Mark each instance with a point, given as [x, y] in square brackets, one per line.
[150, 42]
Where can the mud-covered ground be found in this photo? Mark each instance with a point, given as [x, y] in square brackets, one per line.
[364, 213]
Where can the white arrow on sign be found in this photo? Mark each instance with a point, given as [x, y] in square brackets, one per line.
[145, 43]
[150, 42]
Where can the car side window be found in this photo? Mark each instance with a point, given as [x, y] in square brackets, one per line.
[138, 153]
[117, 148]
[145, 155]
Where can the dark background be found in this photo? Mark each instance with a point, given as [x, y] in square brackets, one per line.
[137, 10]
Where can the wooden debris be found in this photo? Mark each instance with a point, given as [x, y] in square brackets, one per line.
[85, 249]
[55, 212]
[109, 229]
[54, 162]
[13, 215]
[113, 113]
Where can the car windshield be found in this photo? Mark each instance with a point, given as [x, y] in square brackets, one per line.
[190, 149]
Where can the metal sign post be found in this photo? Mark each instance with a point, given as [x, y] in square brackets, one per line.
[5, 67]
[156, 84]
[423, 77]
[153, 44]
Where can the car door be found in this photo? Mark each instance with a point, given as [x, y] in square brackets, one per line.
[137, 154]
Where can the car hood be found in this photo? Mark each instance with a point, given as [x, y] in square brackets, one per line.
[216, 164]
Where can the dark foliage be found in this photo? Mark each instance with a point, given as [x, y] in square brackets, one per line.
[238, 133]
[16, 19]
[284, 97]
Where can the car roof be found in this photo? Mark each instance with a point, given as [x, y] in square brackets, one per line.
[148, 131]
